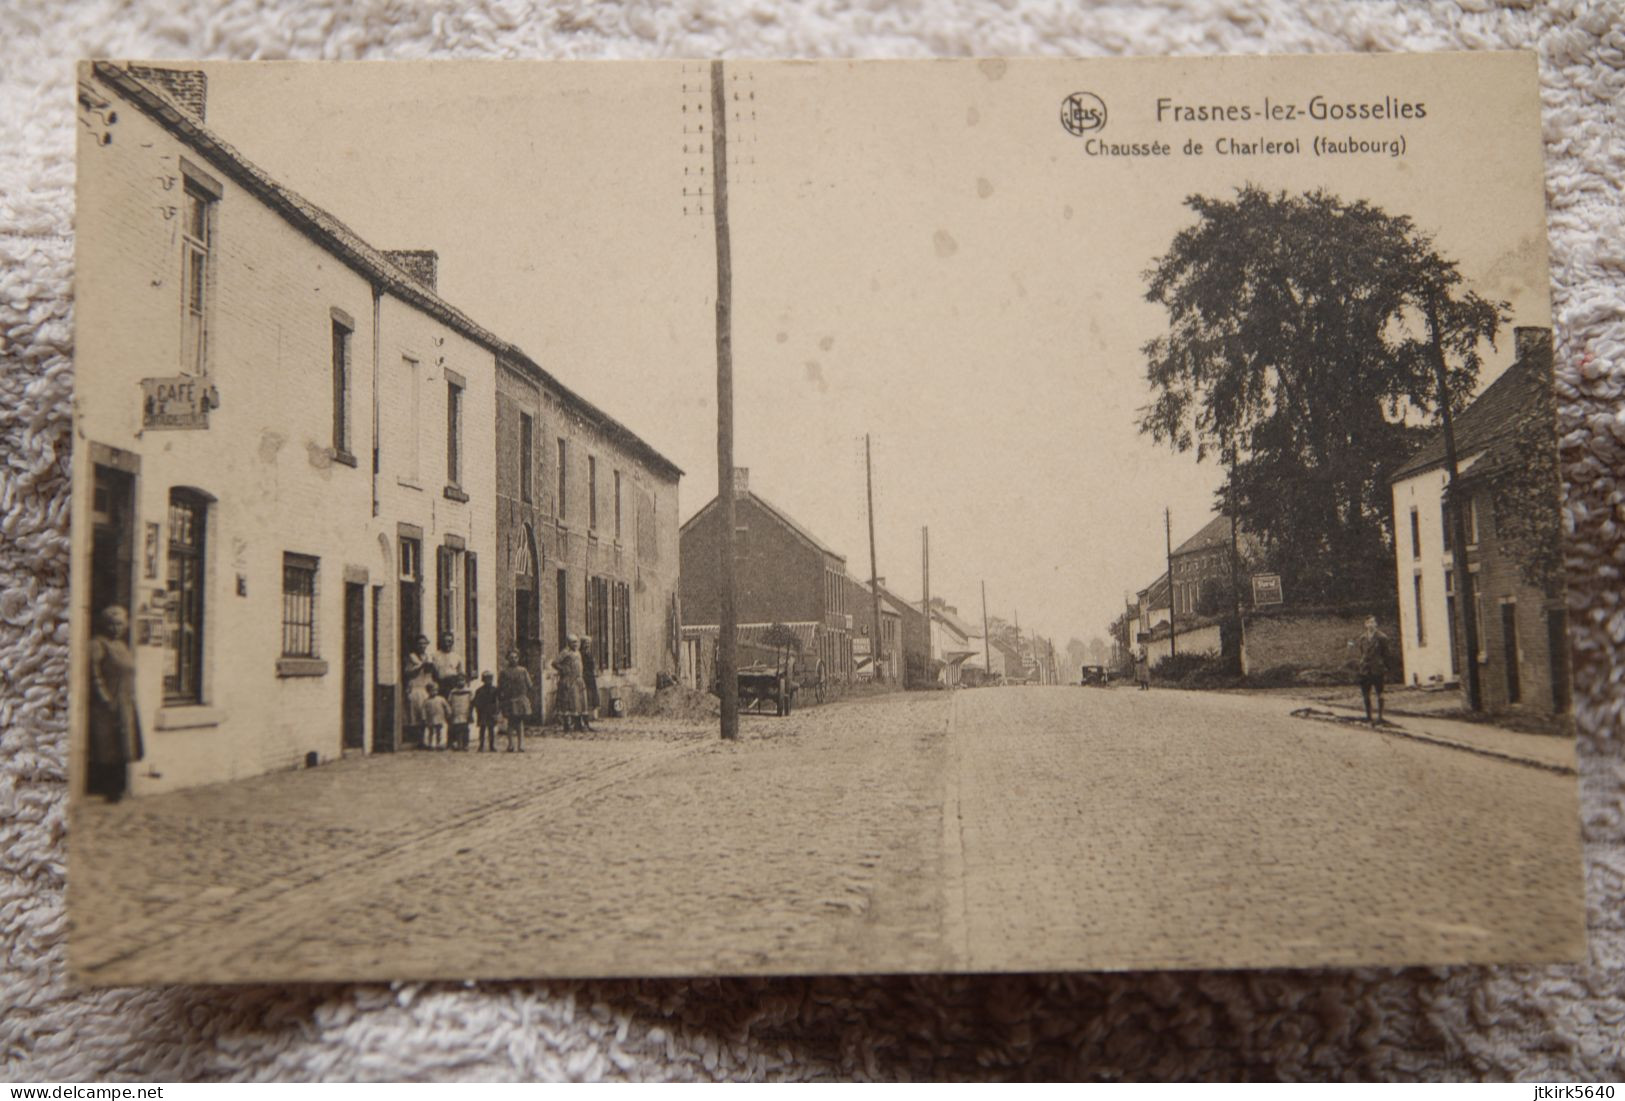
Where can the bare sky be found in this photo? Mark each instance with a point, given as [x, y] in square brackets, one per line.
[921, 252]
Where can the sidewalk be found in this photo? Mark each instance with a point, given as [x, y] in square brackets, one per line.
[1545, 750]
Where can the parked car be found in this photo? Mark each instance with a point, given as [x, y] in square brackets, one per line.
[1097, 675]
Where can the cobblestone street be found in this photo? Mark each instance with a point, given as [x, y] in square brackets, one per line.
[991, 829]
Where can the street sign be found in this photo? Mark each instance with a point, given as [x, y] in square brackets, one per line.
[1267, 589]
[183, 401]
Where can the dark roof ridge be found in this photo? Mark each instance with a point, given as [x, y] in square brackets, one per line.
[331, 233]
[779, 514]
[1484, 420]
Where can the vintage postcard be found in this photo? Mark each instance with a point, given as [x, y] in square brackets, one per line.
[720, 518]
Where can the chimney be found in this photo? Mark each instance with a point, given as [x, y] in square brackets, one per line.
[187, 88]
[1533, 344]
[741, 481]
[422, 264]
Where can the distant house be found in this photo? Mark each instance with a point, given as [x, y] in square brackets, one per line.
[1200, 592]
[860, 600]
[910, 651]
[953, 641]
[1506, 447]
[1007, 657]
[783, 574]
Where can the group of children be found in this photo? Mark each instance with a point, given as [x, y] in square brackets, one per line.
[447, 717]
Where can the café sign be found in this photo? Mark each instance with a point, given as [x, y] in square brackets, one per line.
[1267, 589]
[183, 401]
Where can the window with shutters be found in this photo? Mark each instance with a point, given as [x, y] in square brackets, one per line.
[447, 589]
[598, 616]
[623, 626]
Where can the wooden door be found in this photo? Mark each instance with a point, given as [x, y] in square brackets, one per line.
[353, 702]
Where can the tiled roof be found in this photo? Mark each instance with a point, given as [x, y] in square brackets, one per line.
[344, 243]
[1491, 417]
[806, 632]
[957, 624]
[778, 514]
[900, 605]
[789, 521]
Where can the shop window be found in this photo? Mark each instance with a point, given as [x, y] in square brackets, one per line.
[188, 523]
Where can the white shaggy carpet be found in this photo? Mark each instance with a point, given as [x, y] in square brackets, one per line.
[1551, 1023]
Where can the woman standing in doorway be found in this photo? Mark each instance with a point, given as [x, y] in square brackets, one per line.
[115, 728]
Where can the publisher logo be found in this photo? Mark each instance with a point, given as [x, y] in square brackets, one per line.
[1082, 113]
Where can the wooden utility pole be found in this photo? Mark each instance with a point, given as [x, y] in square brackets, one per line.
[925, 601]
[1168, 534]
[728, 629]
[874, 570]
[1235, 576]
[1466, 589]
[987, 642]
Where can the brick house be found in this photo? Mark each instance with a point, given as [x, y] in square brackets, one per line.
[1512, 543]
[784, 574]
[860, 601]
[586, 534]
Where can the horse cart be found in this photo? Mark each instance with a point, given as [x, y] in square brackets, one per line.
[772, 670]
[759, 684]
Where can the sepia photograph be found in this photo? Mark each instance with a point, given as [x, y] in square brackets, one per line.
[712, 518]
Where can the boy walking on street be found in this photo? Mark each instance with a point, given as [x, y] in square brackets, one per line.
[487, 705]
[1374, 649]
[513, 689]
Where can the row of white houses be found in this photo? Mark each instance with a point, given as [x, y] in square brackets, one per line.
[287, 465]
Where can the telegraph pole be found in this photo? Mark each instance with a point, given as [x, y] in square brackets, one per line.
[987, 643]
[1466, 589]
[925, 602]
[1168, 533]
[727, 631]
[874, 570]
[1235, 575]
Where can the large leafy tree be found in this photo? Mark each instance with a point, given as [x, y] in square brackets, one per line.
[1301, 350]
